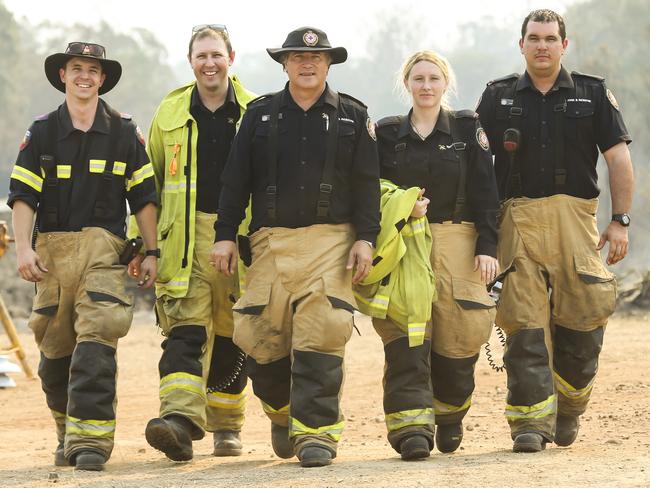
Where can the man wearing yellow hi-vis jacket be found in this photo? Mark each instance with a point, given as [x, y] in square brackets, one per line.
[201, 371]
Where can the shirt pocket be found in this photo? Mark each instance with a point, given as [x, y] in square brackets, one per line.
[579, 120]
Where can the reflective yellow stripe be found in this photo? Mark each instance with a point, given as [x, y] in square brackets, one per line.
[416, 332]
[182, 381]
[565, 389]
[139, 176]
[298, 428]
[226, 400]
[442, 408]
[269, 409]
[63, 171]
[537, 411]
[57, 415]
[91, 428]
[119, 168]
[380, 302]
[96, 165]
[30, 179]
[420, 416]
[178, 187]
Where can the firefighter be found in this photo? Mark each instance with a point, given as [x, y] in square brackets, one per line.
[545, 127]
[76, 168]
[444, 154]
[307, 156]
[202, 378]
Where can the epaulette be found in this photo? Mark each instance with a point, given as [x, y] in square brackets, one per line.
[260, 99]
[464, 114]
[392, 120]
[126, 116]
[349, 97]
[41, 118]
[511, 76]
[585, 75]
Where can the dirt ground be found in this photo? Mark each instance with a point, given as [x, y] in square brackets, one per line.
[613, 449]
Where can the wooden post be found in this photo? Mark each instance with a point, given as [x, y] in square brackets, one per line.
[15, 347]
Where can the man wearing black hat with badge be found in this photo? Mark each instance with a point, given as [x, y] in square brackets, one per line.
[307, 157]
[76, 169]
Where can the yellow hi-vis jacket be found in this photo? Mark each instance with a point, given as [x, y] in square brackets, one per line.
[174, 130]
[401, 284]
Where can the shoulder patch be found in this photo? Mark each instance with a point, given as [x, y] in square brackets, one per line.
[610, 97]
[481, 138]
[469, 114]
[26, 139]
[511, 76]
[392, 120]
[126, 116]
[139, 135]
[585, 75]
[371, 129]
[42, 117]
[349, 97]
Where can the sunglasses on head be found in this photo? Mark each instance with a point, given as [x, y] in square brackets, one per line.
[214, 27]
[86, 49]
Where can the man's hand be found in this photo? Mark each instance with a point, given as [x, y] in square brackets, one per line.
[489, 267]
[134, 266]
[361, 258]
[148, 271]
[30, 265]
[224, 257]
[617, 237]
[420, 207]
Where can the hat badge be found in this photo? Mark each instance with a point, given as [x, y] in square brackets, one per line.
[86, 50]
[310, 38]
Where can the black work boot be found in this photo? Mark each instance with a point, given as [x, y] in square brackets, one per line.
[227, 443]
[282, 446]
[59, 456]
[171, 435]
[88, 460]
[449, 437]
[566, 429]
[413, 447]
[315, 456]
[529, 442]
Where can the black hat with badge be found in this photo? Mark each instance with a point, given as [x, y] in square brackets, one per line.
[111, 68]
[309, 39]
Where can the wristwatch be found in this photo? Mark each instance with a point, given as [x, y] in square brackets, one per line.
[153, 252]
[623, 219]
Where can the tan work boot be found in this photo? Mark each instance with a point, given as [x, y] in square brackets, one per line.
[227, 443]
[566, 429]
[282, 446]
[171, 435]
[529, 442]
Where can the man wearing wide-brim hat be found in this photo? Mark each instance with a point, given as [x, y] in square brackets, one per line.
[307, 156]
[76, 169]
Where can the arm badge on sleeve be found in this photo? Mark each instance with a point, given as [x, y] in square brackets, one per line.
[612, 100]
[481, 138]
[139, 135]
[26, 139]
[371, 129]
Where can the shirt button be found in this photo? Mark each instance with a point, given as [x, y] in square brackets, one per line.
[542, 170]
[302, 187]
[304, 138]
[302, 212]
[543, 146]
[543, 122]
[305, 114]
[214, 140]
[303, 162]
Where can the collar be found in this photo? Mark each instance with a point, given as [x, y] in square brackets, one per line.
[327, 97]
[442, 125]
[563, 80]
[101, 123]
[197, 104]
